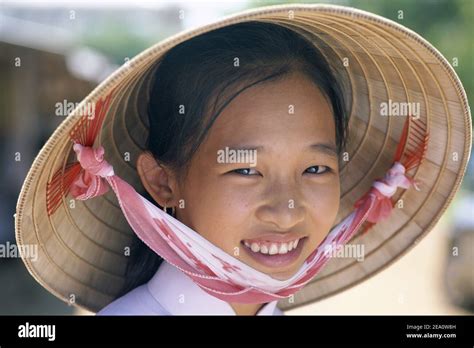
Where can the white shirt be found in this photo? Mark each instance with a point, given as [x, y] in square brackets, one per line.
[171, 292]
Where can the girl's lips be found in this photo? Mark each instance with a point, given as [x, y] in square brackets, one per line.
[277, 260]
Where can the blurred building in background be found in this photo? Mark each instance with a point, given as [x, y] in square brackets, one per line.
[50, 56]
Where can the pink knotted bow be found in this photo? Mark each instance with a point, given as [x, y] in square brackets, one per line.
[90, 182]
[384, 189]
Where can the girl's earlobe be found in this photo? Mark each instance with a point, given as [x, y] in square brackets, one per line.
[154, 178]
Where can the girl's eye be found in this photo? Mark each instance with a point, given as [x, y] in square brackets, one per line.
[316, 169]
[244, 171]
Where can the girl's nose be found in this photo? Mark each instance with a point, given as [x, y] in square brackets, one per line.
[283, 208]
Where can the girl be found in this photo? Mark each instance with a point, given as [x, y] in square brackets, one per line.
[243, 210]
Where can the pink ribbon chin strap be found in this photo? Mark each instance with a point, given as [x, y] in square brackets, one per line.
[214, 270]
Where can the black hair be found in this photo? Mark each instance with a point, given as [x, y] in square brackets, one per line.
[203, 75]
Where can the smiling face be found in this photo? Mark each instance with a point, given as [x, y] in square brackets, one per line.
[257, 213]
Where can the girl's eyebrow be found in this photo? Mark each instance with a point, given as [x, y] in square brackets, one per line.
[325, 148]
[328, 149]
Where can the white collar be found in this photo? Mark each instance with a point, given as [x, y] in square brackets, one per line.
[179, 295]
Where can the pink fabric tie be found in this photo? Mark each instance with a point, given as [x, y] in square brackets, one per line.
[91, 183]
[384, 189]
[214, 270]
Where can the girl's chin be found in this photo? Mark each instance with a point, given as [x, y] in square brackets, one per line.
[283, 276]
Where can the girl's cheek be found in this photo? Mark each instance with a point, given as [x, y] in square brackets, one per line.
[322, 208]
[222, 216]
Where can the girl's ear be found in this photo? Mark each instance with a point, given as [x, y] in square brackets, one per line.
[156, 179]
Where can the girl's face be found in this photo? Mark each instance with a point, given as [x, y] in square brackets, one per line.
[290, 197]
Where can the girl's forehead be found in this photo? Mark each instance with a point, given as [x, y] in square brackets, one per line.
[275, 136]
[292, 106]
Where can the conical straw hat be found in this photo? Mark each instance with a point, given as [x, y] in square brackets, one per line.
[81, 245]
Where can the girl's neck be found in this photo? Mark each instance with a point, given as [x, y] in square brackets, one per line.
[246, 308]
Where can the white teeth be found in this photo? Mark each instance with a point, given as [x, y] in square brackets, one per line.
[283, 248]
[255, 247]
[273, 248]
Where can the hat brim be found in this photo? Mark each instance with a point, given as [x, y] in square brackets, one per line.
[81, 255]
